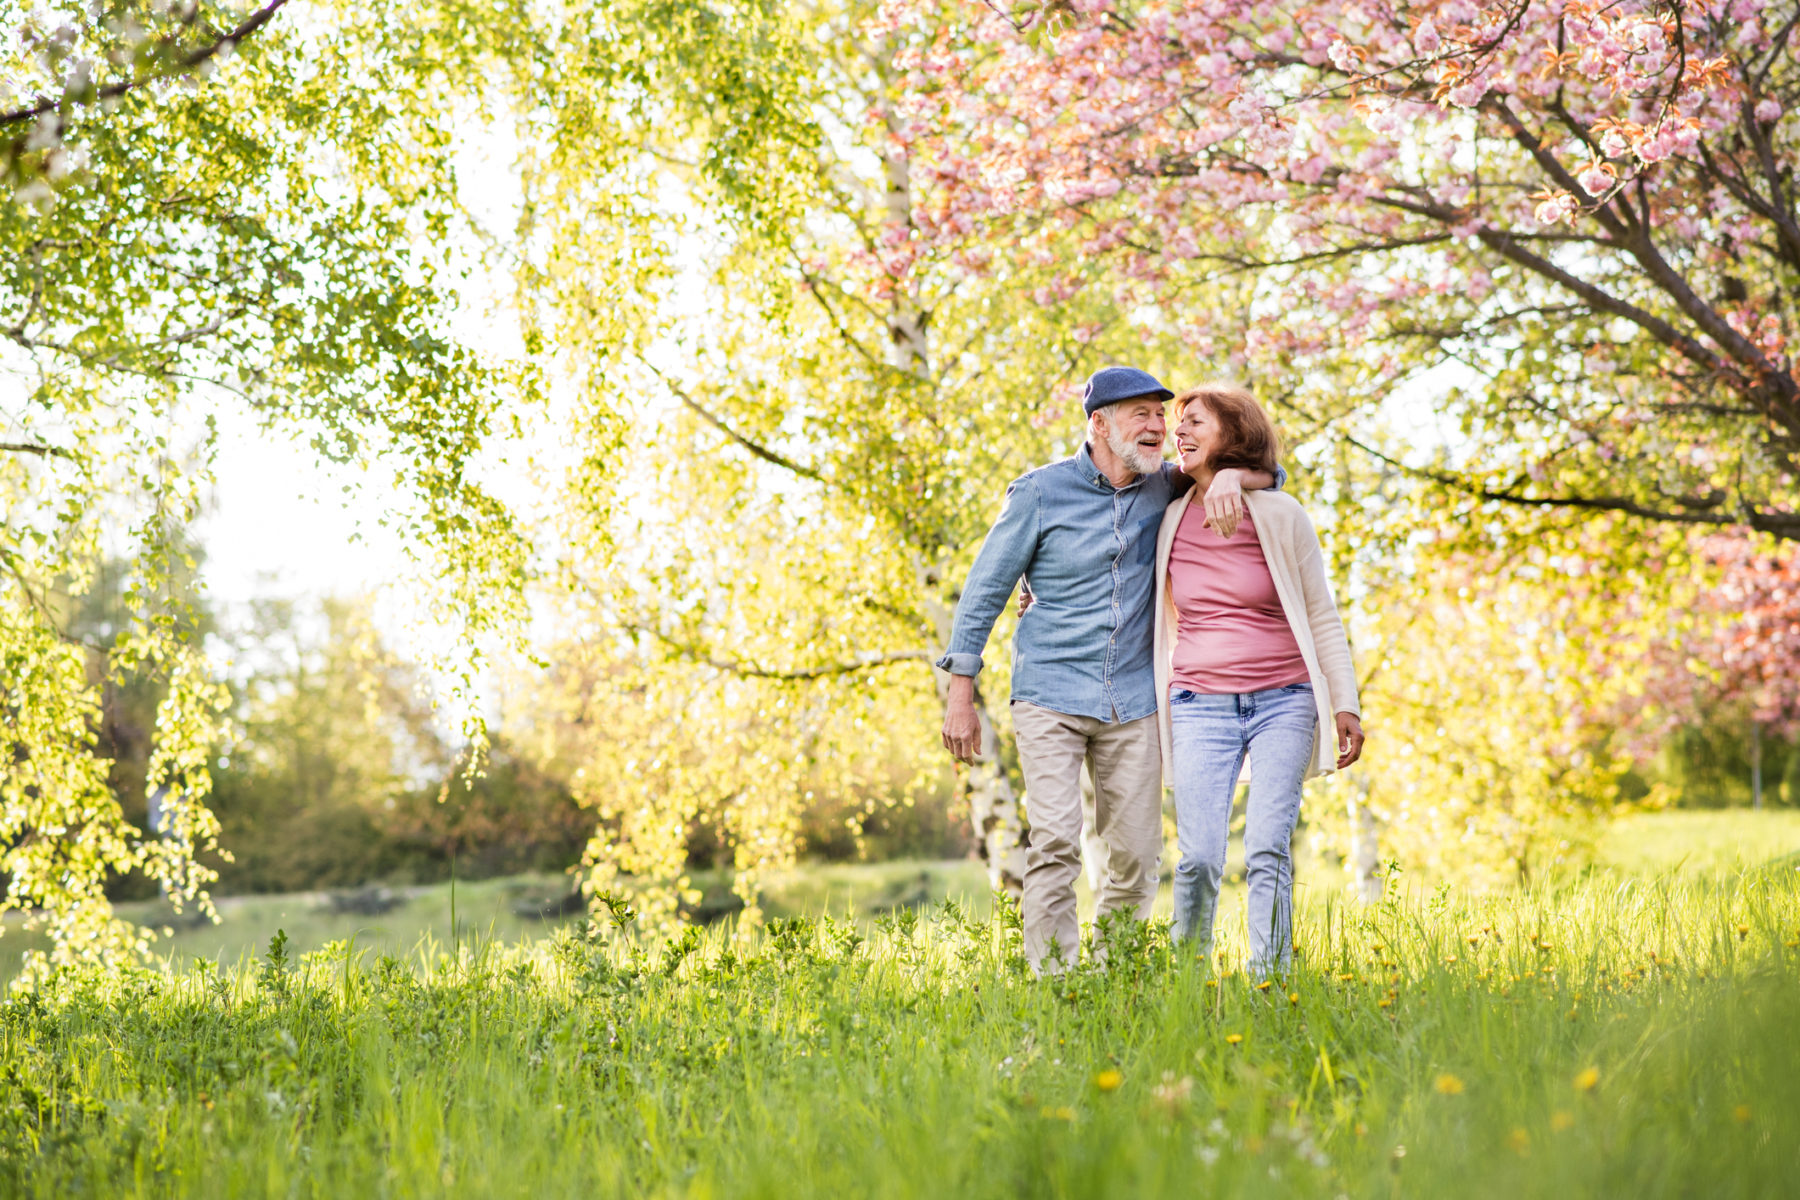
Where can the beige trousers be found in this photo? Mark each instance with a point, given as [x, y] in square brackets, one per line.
[1125, 761]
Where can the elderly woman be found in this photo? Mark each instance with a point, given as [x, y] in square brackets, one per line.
[1251, 660]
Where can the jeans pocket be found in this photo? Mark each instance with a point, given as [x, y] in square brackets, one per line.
[1181, 696]
[1297, 687]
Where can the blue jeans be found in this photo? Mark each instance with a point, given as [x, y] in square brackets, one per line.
[1212, 734]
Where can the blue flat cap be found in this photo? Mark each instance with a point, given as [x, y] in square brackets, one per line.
[1109, 385]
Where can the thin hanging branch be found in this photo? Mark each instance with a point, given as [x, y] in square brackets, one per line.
[184, 63]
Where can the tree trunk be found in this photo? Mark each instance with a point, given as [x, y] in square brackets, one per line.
[1364, 862]
[1756, 765]
[993, 806]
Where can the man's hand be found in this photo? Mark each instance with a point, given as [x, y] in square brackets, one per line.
[1349, 739]
[962, 728]
[1224, 502]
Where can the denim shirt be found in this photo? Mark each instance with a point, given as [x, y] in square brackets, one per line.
[1087, 550]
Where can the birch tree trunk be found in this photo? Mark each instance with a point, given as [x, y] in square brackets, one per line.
[1364, 863]
[993, 806]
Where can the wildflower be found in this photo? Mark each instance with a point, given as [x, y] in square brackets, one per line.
[1232, 1039]
[1293, 997]
[1743, 932]
[1588, 1080]
[1108, 1080]
[1519, 1141]
[1173, 1093]
[1561, 1120]
[1741, 1114]
[1263, 986]
[1449, 1085]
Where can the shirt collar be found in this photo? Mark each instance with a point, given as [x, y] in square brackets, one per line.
[1084, 462]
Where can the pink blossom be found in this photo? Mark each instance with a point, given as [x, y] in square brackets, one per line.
[1425, 38]
[1344, 57]
[1556, 209]
[1468, 93]
[1655, 147]
[1613, 144]
[1597, 179]
[1768, 109]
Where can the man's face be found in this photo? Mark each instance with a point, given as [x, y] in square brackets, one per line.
[1134, 430]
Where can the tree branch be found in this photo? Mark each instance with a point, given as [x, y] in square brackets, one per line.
[862, 662]
[37, 448]
[186, 62]
[717, 422]
[1783, 525]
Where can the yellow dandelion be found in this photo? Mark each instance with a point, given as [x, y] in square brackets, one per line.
[1293, 997]
[1108, 1080]
[1232, 1039]
[1561, 1120]
[1743, 932]
[1449, 1085]
[1588, 1080]
[1519, 1141]
[1263, 986]
[1741, 1114]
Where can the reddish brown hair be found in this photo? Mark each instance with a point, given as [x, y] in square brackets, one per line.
[1247, 438]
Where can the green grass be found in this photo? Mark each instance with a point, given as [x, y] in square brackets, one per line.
[1693, 842]
[1707, 840]
[1618, 1036]
[1435, 1044]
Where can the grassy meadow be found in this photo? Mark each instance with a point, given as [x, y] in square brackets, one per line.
[1618, 1034]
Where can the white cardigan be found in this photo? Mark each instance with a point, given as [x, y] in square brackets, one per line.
[1291, 547]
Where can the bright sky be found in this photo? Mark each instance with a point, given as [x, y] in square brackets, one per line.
[280, 521]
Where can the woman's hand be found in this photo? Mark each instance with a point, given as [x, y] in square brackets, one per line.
[1349, 739]
[1224, 502]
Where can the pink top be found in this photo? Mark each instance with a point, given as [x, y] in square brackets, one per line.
[1231, 633]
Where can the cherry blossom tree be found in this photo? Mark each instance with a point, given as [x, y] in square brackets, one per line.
[1569, 226]
[1735, 660]
[1756, 655]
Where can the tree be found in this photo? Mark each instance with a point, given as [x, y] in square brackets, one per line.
[1506, 731]
[843, 397]
[1731, 667]
[336, 771]
[1571, 225]
[208, 204]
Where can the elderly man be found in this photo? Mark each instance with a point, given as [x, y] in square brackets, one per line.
[1082, 534]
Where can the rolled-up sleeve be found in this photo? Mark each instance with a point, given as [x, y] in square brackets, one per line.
[1005, 556]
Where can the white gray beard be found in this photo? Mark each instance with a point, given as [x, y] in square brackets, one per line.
[1131, 454]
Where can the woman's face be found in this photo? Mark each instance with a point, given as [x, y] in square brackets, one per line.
[1195, 436]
